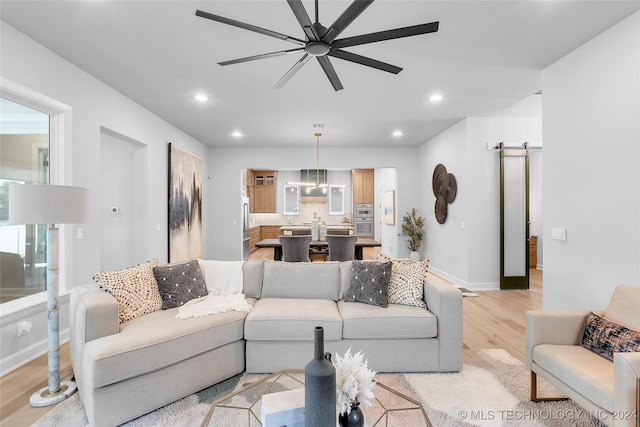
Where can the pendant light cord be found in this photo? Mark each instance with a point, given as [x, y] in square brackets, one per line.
[318, 135]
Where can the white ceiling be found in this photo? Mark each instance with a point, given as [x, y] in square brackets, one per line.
[486, 56]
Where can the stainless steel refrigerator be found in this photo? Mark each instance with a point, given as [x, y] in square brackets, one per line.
[245, 228]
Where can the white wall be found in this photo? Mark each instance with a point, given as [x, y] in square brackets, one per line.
[591, 114]
[94, 106]
[466, 248]
[225, 165]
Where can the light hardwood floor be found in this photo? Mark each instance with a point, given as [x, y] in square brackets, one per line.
[493, 320]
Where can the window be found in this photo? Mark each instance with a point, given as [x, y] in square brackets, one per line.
[24, 158]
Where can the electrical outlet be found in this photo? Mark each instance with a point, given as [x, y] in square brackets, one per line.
[24, 328]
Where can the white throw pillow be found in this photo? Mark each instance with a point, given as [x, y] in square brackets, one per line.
[222, 277]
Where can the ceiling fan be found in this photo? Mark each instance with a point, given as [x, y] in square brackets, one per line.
[321, 42]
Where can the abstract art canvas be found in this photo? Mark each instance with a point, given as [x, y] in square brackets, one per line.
[185, 205]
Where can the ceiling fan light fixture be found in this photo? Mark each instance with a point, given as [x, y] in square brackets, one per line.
[322, 42]
[398, 133]
[436, 97]
[237, 134]
[200, 97]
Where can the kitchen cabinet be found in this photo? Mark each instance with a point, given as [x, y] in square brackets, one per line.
[263, 192]
[270, 231]
[247, 181]
[255, 236]
[363, 187]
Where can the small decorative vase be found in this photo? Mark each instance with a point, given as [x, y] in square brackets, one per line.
[414, 256]
[319, 386]
[322, 233]
[355, 418]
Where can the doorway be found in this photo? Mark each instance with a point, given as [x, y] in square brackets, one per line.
[514, 218]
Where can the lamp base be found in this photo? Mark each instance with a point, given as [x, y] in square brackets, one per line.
[42, 397]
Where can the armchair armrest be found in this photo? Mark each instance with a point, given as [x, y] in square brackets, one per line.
[626, 389]
[445, 302]
[553, 327]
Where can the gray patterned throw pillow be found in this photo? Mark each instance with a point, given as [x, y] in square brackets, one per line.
[369, 283]
[605, 337]
[179, 283]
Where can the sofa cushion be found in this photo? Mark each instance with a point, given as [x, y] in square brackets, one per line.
[604, 337]
[369, 283]
[345, 276]
[364, 321]
[179, 283]
[252, 278]
[316, 280]
[134, 288]
[292, 319]
[406, 285]
[623, 307]
[584, 371]
[155, 341]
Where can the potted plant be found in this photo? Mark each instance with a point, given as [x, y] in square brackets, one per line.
[413, 229]
[354, 386]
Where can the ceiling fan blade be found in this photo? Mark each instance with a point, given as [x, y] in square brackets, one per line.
[249, 27]
[363, 60]
[397, 33]
[305, 58]
[303, 18]
[343, 21]
[261, 56]
[330, 72]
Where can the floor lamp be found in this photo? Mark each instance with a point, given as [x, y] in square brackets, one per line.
[49, 204]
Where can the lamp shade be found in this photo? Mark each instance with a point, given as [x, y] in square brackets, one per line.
[47, 204]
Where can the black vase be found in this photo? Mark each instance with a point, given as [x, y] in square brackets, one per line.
[354, 419]
[319, 386]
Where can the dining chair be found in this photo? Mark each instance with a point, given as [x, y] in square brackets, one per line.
[341, 248]
[295, 248]
[11, 271]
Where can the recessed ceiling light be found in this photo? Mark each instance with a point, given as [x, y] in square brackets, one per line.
[236, 134]
[201, 97]
[398, 133]
[435, 97]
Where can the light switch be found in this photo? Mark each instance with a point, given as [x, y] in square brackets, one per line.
[79, 234]
[559, 234]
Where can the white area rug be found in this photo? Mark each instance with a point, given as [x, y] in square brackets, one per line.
[491, 390]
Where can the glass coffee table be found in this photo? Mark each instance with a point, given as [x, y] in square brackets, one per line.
[242, 407]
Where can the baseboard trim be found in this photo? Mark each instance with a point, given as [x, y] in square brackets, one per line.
[472, 286]
[26, 355]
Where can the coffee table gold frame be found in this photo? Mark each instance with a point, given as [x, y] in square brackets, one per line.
[294, 380]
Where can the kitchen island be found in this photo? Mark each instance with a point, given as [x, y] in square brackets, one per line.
[298, 230]
[318, 244]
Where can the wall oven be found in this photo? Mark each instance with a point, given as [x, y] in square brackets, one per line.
[363, 210]
[363, 228]
[363, 219]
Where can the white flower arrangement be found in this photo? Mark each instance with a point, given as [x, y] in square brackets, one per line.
[354, 381]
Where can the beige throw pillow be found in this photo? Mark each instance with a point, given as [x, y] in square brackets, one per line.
[406, 285]
[134, 288]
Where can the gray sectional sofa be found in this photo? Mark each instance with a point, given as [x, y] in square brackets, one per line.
[159, 359]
